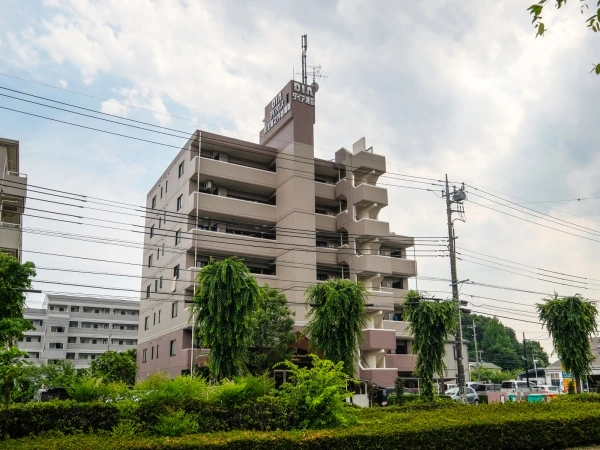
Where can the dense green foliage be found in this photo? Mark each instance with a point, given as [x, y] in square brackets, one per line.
[336, 319]
[494, 376]
[571, 321]
[115, 366]
[592, 22]
[272, 331]
[224, 305]
[431, 323]
[521, 426]
[12, 368]
[501, 347]
[14, 278]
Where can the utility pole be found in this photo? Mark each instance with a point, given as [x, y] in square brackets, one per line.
[476, 352]
[525, 355]
[457, 198]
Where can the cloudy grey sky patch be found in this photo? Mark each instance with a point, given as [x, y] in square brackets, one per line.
[437, 87]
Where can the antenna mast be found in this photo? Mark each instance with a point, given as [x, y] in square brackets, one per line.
[304, 47]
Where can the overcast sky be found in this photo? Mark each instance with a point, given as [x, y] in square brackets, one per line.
[457, 87]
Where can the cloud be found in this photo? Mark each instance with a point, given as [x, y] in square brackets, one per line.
[63, 84]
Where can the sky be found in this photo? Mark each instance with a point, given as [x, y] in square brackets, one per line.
[437, 87]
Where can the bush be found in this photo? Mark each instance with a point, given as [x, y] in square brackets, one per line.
[64, 416]
[504, 427]
[176, 424]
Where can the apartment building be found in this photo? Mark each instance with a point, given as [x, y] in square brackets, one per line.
[293, 218]
[79, 329]
[12, 198]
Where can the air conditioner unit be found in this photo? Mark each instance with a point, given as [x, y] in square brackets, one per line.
[208, 185]
[391, 316]
[330, 245]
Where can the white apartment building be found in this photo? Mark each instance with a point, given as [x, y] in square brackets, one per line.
[294, 219]
[79, 328]
[12, 198]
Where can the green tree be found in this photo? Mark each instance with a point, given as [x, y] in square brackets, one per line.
[12, 374]
[431, 322]
[272, 331]
[495, 376]
[14, 278]
[336, 319]
[592, 22]
[571, 321]
[224, 307]
[114, 366]
[498, 347]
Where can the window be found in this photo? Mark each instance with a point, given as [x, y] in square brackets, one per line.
[152, 231]
[155, 285]
[159, 221]
[173, 348]
[148, 291]
[146, 323]
[72, 340]
[180, 169]
[164, 217]
[156, 351]
[120, 342]
[159, 316]
[176, 272]
[166, 186]
[150, 260]
[73, 324]
[177, 236]
[27, 339]
[161, 191]
[70, 355]
[154, 319]
[94, 341]
[154, 202]
[163, 249]
[157, 253]
[144, 355]
[74, 308]
[179, 202]
[174, 309]
[160, 282]
[152, 353]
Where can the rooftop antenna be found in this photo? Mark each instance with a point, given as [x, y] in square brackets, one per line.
[304, 47]
[315, 71]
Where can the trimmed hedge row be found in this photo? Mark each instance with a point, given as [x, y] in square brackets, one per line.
[20, 420]
[508, 426]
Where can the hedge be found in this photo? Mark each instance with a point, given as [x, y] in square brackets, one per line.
[508, 426]
[20, 420]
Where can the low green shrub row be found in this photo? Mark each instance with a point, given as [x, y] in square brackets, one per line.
[494, 426]
[23, 419]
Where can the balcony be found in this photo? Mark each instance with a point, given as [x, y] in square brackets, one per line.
[15, 185]
[362, 227]
[378, 339]
[325, 223]
[213, 205]
[381, 377]
[389, 297]
[211, 169]
[325, 190]
[400, 327]
[366, 194]
[219, 243]
[327, 256]
[401, 363]
[377, 264]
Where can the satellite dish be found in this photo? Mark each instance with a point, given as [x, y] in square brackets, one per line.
[315, 86]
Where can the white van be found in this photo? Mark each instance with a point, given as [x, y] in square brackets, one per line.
[514, 386]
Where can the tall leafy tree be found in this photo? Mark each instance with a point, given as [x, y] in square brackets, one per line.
[272, 331]
[12, 374]
[14, 278]
[224, 307]
[114, 366]
[431, 321]
[592, 22]
[571, 321]
[336, 319]
[498, 346]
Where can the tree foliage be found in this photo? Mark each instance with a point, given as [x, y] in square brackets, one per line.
[14, 277]
[494, 376]
[114, 366]
[592, 22]
[224, 306]
[12, 369]
[431, 322]
[272, 331]
[336, 319]
[571, 321]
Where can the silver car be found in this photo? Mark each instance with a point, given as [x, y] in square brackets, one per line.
[472, 396]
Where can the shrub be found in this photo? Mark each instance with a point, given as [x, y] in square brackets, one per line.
[571, 387]
[176, 424]
[64, 416]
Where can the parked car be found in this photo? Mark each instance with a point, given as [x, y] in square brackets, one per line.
[515, 386]
[549, 388]
[483, 387]
[472, 396]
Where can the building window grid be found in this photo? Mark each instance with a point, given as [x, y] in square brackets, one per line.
[176, 272]
[177, 237]
[150, 260]
[179, 202]
[154, 202]
[148, 290]
[152, 231]
[144, 355]
[181, 169]
[173, 347]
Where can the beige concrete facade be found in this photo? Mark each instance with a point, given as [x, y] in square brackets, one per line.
[12, 198]
[294, 219]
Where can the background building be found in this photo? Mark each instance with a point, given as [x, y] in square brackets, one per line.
[79, 328]
[12, 198]
[293, 218]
